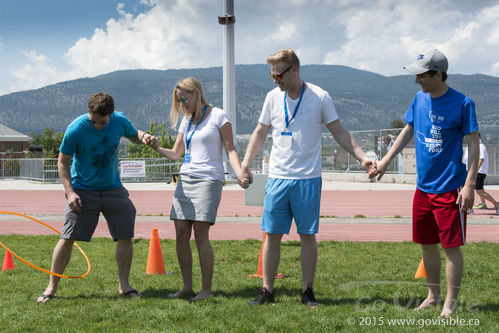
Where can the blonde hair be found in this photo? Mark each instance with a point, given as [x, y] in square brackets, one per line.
[190, 85]
[287, 56]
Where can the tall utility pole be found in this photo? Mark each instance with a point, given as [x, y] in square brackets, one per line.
[229, 69]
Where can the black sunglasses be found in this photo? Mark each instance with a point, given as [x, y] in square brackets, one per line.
[98, 122]
[278, 77]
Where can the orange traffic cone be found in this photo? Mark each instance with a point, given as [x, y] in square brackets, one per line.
[420, 273]
[259, 269]
[155, 264]
[8, 263]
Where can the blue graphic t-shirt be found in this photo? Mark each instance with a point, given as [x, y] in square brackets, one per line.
[95, 152]
[439, 127]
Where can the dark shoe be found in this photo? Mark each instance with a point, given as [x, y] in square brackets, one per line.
[308, 298]
[131, 293]
[263, 297]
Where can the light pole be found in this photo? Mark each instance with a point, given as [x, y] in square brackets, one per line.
[229, 75]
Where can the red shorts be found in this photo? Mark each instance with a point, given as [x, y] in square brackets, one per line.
[436, 218]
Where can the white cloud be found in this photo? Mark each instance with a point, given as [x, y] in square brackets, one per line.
[380, 36]
[169, 35]
[173, 36]
[38, 72]
[286, 32]
[386, 36]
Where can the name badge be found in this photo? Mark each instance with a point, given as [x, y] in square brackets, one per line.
[187, 158]
[286, 138]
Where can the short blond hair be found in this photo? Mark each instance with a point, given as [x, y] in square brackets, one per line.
[189, 85]
[287, 56]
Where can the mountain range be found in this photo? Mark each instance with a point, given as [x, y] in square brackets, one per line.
[364, 100]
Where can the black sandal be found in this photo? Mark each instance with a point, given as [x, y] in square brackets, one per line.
[131, 293]
[45, 298]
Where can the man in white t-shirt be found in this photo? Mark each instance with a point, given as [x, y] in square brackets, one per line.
[296, 111]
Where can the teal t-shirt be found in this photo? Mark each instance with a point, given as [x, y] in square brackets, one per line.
[95, 152]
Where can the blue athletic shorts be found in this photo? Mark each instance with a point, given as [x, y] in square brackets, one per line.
[286, 199]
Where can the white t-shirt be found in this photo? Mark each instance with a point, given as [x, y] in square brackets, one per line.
[206, 146]
[483, 155]
[300, 157]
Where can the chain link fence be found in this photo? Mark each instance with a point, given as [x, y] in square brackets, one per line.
[375, 143]
[45, 169]
[334, 159]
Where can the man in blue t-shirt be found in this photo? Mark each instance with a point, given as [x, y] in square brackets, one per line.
[93, 186]
[439, 118]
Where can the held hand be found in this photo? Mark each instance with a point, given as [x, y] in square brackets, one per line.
[379, 170]
[74, 202]
[243, 183]
[369, 165]
[373, 170]
[150, 140]
[245, 177]
[154, 143]
[243, 180]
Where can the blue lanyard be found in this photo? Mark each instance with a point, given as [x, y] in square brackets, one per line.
[296, 108]
[189, 138]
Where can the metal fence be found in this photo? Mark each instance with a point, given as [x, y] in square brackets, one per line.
[375, 143]
[45, 169]
[334, 159]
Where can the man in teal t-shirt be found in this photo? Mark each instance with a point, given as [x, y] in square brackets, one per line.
[93, 186]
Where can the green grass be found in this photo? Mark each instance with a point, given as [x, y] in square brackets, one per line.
[369, 282]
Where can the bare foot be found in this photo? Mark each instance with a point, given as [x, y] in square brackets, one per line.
[429, 301]
[180, 293]
[202, 295]
[447, 309]
[446, 312]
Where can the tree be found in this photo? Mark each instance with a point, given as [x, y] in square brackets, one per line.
[397, 123]
[50, 140]
[165, 141]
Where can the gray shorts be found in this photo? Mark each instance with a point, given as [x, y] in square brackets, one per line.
[196, 199]
[114, 204]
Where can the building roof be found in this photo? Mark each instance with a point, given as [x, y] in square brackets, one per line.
[8, 134]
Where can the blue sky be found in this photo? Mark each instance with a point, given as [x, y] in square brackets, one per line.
[47, 41]
[51, 27]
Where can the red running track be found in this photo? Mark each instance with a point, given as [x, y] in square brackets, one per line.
[339, 203]
[157, 202]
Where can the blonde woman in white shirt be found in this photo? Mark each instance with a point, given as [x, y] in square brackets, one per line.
[203, 133]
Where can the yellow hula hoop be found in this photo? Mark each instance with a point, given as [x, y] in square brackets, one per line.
[39, 268]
